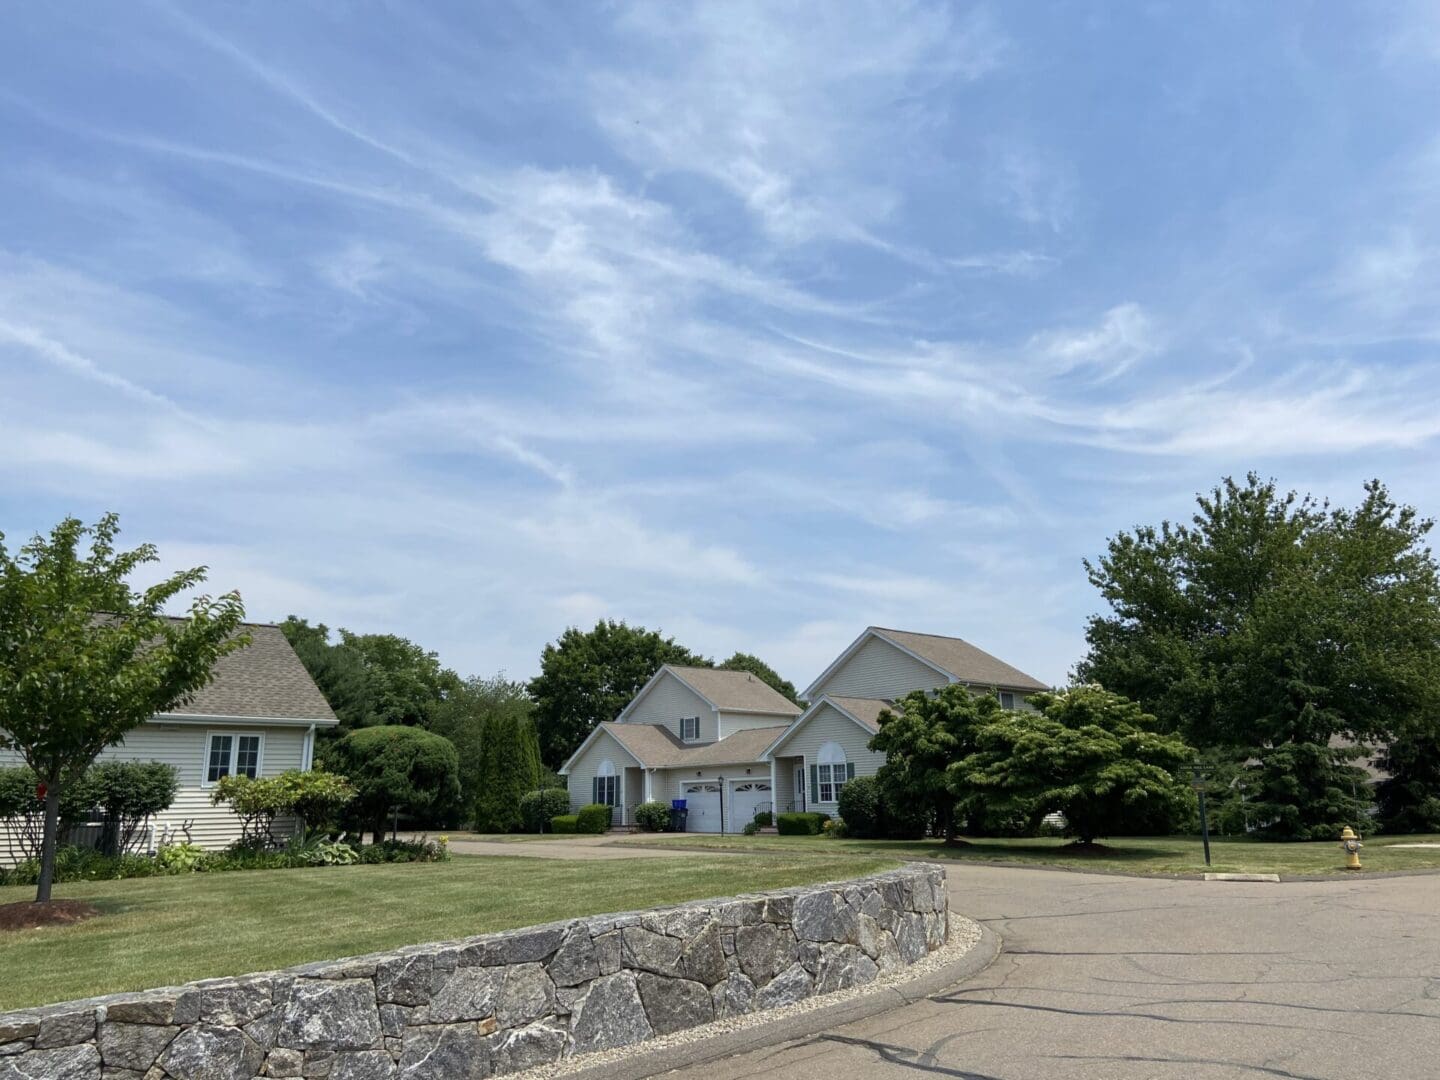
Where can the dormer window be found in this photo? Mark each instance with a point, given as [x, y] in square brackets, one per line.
[690, 729]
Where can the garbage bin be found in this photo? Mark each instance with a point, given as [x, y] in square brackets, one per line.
[678, 815]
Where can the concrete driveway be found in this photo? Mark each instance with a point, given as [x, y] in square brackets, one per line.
[1112, 978]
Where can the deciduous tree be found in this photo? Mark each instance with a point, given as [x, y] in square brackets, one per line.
[85, 657]
[922, 738]
[1287, 633]
[1092, 755]
[588, 676]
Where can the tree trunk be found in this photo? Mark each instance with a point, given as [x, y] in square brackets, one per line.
[48, 842]
[377, 830]
[949, 812]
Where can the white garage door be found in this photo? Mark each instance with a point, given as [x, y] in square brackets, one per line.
[745, 801]
[703, 802]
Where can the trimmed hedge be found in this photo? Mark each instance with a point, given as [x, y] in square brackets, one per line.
[538, 807]
[653, 816]
[810, 823]
[594, 818]
[565, 823]
[764, 819]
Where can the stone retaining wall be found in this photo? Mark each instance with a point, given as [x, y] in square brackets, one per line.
[466, 1010]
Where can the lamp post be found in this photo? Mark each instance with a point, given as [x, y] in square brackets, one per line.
[722, 805]
[1199, 775]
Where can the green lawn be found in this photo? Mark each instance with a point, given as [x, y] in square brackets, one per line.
[160, 931]
[1131, 855]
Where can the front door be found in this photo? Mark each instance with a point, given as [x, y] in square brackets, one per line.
[800, 787]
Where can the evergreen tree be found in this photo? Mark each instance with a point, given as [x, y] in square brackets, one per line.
[509, 768]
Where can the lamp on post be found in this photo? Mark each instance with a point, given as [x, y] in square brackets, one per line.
[1199, 774]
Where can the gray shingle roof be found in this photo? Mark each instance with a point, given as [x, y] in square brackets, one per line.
[962, 660]
[264, 679]
[739, 691]
[656, 746]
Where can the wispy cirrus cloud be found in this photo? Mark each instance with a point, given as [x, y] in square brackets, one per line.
[756, 323]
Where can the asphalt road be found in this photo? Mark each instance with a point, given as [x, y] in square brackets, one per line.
[1112, 978]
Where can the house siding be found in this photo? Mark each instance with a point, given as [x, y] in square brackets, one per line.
[829, 725]
[584, 767]
[669, 700]
[879, 670]
[191, 818]
[731, 722]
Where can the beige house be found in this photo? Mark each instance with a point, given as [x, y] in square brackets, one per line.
[690, 733]
[258, 717]
[730, 746]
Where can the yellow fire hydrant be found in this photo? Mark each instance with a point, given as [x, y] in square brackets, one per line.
[1351, 845]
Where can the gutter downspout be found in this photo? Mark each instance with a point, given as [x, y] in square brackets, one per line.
[308, 755]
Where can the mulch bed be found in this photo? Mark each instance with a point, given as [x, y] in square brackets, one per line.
[26, 915]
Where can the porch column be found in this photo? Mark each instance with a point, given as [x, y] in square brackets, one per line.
[774, 790]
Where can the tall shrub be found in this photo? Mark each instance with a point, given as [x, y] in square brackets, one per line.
[394, 767]
[128, 794]
[509, 767]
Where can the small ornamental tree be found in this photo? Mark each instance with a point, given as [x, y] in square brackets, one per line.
[316, 797]
[1092, 755]
[86, 658]
[394, 767]
[922, 739]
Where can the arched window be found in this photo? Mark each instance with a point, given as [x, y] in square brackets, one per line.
[831, 772]
[607, 784]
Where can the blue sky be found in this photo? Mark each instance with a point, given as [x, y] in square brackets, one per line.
[754, 323]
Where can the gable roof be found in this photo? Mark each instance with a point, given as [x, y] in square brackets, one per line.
[863, 712]
[655, 746]
[953, 657]
[265, 680]
[727, 691]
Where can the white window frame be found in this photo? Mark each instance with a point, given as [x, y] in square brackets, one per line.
[607, 791]
[693, 736]
[831, 772]
[234, 737]
[1007, 698]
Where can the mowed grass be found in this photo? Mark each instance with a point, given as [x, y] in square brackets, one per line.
[161, 931]
[1166, 856]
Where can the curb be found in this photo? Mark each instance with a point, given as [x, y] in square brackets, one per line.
[643, 1063]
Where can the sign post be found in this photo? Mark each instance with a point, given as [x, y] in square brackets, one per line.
[1200, 774]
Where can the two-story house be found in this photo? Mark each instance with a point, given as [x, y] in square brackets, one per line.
[690, 733]
[730, 746]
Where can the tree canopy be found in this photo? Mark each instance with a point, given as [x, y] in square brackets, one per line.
[395, 766]
[465, 716]
[1092, 755]
[1289, 633]
[921, 738]
[85, 657]
[588, 676]
[372, 679]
